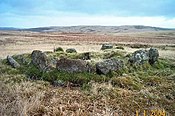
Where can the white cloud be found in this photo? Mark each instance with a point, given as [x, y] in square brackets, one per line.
[66, 19]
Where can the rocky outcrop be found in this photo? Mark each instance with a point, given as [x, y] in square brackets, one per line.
[40, 60]
[71, 50]
[106, 46]
[108, 65]
[72, 65]
[12, 62]
[141, 56]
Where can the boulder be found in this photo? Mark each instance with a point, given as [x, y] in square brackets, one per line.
[153, 55]
[106, 46]
[139, 57]
[71, 50]
[40, 60]
[108, 65]
[72, 65]
[12, 62]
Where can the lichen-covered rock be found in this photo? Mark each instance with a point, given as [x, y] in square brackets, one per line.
[153, 55]
[139, 57]
[72, 65]
[12, 62]
[40, 60]
[108, 65]
[106, 46]
[71, 50]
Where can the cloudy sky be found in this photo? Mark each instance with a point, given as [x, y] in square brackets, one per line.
[39, 13]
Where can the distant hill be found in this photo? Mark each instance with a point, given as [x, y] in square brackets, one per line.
[8, 29]
[93, 29]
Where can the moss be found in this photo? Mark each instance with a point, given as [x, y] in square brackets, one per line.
[75, 78]
[32, 72]
[23, 59]
[112, 54]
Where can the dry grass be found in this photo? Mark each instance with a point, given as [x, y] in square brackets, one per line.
[20, 96]
[24, 42]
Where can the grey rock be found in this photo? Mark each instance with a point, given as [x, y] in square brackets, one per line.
[106, 46]
[71, 50]
[40, 60]
[153, 55]
[72, 65]
[58, 83]
[108, 65]
[139, 57]
[12, 62]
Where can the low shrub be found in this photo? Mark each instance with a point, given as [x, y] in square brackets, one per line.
[59, 49]
[119, 47]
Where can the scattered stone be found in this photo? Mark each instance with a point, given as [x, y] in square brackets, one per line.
[58, 83]
[71, 50]
[72, 65]
[153, 55]
[139, 57]
[13, 62]
[106, 46]
[108, 65]
[40, 60]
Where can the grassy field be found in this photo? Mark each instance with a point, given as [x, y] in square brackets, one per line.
[137, 89]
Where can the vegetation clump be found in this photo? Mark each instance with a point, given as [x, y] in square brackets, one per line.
[58, 49]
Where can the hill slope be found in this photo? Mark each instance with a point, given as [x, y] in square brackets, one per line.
[98, 29]
[93, 29]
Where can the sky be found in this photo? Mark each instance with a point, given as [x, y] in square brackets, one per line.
[41, 13]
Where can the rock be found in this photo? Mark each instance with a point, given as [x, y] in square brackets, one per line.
[58, 83]
[71, 50]
[12, 62]
[86, 56]
[106, 46]
[40, 60]
[108, 65]
[72, 65]
[153, 55]
[139, 57]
